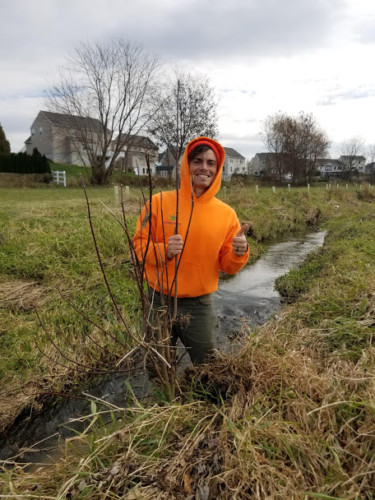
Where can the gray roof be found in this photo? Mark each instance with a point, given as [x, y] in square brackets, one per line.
[140, 141]
[233, 153]
[72, 121]
[352, 157]
[328, 161]
[264, 156]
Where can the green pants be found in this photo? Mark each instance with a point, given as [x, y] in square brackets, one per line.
[196, 325]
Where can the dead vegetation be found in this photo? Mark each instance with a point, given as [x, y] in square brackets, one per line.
[269, 422]
[21, 295]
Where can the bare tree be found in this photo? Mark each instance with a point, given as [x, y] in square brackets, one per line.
[313, 144]
[370, 152]
[273, 138]
[104, 92]
[351, 150]
[296, 144]
[186, 108]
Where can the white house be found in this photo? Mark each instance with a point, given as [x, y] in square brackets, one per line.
[132, 157]
[353, 163]
[329, 168]
[234, 163]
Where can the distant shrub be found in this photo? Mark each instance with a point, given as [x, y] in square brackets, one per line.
[22, 163]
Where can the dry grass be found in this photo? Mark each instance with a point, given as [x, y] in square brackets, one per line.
[21, 180]
[21, 295]
[266, 423]
[291, 415]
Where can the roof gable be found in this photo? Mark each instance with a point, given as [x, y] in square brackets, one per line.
[72, 121]
[230, 152]
[138, 141]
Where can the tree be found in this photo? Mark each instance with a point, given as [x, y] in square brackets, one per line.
[185, 109]
[106, 90]
[350, 150]
[4, 143]
[371, 153]
[296, 144]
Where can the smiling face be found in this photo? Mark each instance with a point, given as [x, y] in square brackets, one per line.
[203, 168]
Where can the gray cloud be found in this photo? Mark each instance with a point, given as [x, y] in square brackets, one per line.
[365, 30]
[35, 38]
[247, 145]
[43, 32]
[245, 29]
[346, 95]
[193, 29]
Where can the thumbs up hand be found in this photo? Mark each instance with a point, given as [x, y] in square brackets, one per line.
[239, 242]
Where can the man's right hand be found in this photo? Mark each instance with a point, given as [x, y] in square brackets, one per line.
[174, 246]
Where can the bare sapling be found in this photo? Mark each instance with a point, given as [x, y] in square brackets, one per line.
[161, 355]
[150, 345]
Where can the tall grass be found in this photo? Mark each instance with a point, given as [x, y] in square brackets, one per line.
[291, 415]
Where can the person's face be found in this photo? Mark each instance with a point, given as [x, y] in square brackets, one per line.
[203, 169]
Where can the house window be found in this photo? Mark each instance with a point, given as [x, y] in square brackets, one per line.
[33, 131]
[144, 170]
[40, 130]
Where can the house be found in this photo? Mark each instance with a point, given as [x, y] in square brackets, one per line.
[352, 162]
[262, 164]
[329, 168]
[166, 164]
[370, 169]
[66, 138]
[132, 157]
[56, 136]
[234, 163]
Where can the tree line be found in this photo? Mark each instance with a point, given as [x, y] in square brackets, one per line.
[298, 143]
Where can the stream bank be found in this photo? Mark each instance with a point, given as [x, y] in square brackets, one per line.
[243, 302]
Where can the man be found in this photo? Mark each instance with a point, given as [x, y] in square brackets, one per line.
[209, 239]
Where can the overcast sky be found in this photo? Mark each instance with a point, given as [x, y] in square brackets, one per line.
[262, 56]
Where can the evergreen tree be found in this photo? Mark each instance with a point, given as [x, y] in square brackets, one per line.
[4, 144]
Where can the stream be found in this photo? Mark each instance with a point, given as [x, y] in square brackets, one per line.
[242, 302]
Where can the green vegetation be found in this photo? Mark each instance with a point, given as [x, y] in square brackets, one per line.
[4, 143]
[291, 415]
[74, 173]
[22, 163]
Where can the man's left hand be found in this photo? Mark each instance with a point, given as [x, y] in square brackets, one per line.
[239, 242]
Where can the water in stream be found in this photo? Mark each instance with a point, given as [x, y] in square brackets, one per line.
[242, 302]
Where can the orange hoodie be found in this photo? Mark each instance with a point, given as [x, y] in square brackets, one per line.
[208, 244]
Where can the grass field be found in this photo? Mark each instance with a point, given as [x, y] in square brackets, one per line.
[292, 415]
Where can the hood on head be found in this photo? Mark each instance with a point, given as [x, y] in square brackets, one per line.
[186, 186]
